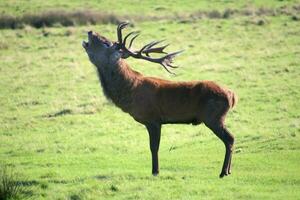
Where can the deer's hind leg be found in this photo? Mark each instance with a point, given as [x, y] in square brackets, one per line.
[215, 121]
[228, 141]
[229, 166]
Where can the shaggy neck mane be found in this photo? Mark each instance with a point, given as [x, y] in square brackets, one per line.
[117, 81]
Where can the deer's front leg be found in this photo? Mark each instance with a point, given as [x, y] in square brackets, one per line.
[154, 136]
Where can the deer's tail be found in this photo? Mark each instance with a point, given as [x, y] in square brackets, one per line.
[233, 99]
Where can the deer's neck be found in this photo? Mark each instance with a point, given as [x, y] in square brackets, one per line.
[118, 81]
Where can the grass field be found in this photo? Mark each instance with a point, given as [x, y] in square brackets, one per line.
[66, 141]
[136, 7]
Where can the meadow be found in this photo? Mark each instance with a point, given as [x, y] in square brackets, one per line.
[65, 140]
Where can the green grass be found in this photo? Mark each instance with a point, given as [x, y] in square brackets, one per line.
[136, 7]
[95, 151]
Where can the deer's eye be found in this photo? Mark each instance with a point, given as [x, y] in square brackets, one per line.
[105, 44]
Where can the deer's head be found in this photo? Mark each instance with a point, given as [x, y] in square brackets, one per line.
[99, 49]
[102, 51]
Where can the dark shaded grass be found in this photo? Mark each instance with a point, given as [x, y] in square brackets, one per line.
[60, 113]
[58, 17]
[84, 17]
[10, 187]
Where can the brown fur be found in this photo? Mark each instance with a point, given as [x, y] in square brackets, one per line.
[154, 102]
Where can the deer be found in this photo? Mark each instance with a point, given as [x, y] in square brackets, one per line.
[153, 101]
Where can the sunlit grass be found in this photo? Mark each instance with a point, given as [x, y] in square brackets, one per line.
[58, 130]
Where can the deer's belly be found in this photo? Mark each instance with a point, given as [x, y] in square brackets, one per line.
[180, 118]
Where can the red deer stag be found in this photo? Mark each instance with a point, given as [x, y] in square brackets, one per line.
[153, 101]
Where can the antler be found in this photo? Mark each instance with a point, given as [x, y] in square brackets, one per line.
[165, 61]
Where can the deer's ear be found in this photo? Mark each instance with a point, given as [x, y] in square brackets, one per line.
[115, 46]
[123, 54]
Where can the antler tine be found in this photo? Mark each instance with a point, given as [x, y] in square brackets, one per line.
[167, 69]
[149, 49]
[119, 30]
[168, 59]
[122, 25]
[165, 61]
[154, 43]
[131, 41]
[136, 33]
[155, 50]
[147, 46]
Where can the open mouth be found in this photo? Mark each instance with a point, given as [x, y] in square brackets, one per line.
[85, 44]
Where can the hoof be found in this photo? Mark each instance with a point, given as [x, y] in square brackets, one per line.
[155, 174]
[223, 174]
